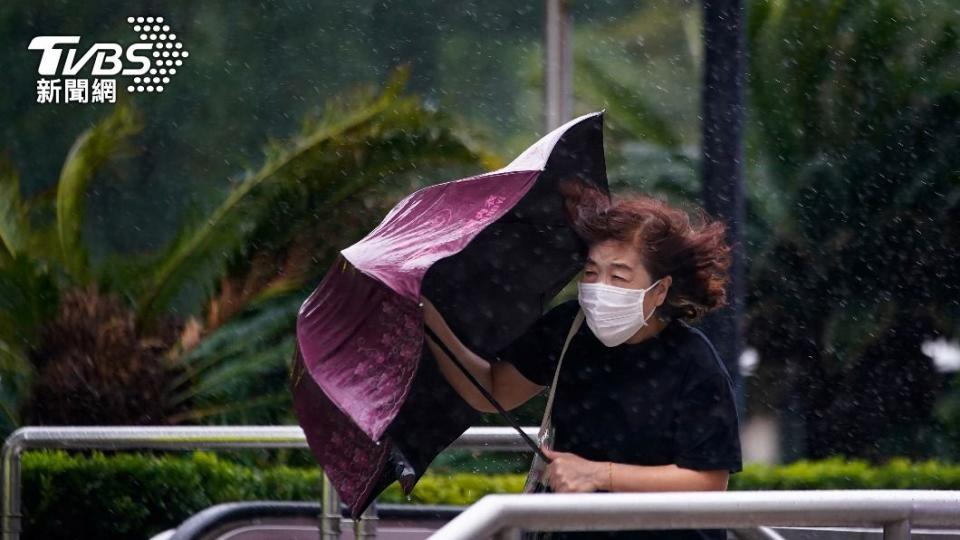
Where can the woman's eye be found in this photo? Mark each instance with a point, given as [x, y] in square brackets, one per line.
[620, 278]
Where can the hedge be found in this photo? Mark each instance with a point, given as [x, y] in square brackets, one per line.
[134, 496]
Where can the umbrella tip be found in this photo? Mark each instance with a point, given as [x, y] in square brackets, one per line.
[407, 482]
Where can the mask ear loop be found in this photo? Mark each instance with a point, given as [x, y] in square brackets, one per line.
[654, 310]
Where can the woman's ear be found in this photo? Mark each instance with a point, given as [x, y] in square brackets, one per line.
[663, 289]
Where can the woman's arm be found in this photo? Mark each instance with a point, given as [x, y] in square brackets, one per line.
[628, 477]
[502, 380]
[568, 472]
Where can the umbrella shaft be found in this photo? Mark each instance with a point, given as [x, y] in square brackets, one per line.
[486, 393]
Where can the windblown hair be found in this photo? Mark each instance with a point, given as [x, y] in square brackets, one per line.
[692, 250]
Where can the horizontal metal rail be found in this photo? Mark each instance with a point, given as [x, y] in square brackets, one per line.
[185, 438]
[895, 510]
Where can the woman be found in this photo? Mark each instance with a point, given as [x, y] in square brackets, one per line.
[643, 402]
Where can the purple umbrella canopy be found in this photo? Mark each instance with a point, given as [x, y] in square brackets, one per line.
[490, 252]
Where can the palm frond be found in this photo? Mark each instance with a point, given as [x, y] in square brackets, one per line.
[16, 376]
[629, 110]
[241, 368]
[28, 297]
[332, 160]
[12, 223]
[200, 250]
[89, 152]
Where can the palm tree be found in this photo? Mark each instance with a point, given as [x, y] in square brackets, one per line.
[104, 337]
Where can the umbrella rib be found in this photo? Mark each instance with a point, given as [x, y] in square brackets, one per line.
[503, 412]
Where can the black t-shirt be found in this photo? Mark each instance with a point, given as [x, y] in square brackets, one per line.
[666, 400]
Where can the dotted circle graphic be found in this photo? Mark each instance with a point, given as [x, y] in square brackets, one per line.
[166, 51]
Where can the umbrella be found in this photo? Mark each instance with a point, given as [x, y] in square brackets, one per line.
[490, 251]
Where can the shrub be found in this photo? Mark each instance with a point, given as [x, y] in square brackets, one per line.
[133, 495]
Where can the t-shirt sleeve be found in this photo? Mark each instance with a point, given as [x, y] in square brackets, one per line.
[708, 423]
[536, 352]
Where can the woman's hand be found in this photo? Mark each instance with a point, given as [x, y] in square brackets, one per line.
[568, 472]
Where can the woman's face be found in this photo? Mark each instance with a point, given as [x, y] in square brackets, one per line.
[617, 263]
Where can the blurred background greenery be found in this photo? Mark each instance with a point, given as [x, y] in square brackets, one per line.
[153, 254]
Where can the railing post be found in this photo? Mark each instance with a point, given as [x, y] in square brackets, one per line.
[329, 511]
[11, 489]
[897, 530]
[366, 526]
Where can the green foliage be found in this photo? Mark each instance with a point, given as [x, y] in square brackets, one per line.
[11, 211]
[459, 488]
[628, 110]
[838, 473]
[135, 495]
[239, 374]
[251, 257]
[28, 296]
[641, 67]
[362, 140]
[92, 149]
[853, 121]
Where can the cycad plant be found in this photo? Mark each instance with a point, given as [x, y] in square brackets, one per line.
[84, 332]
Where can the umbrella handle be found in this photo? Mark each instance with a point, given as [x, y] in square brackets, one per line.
[486, 393]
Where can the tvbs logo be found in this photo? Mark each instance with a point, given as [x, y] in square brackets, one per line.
[151, 62]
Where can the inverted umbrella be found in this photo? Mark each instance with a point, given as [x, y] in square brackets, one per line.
[490, 252]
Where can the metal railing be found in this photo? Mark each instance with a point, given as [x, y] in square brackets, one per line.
[503, 516]
[192, 438]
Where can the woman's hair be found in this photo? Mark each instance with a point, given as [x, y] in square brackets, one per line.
[694, 252]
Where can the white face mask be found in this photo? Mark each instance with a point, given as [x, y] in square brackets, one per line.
[613, 313]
